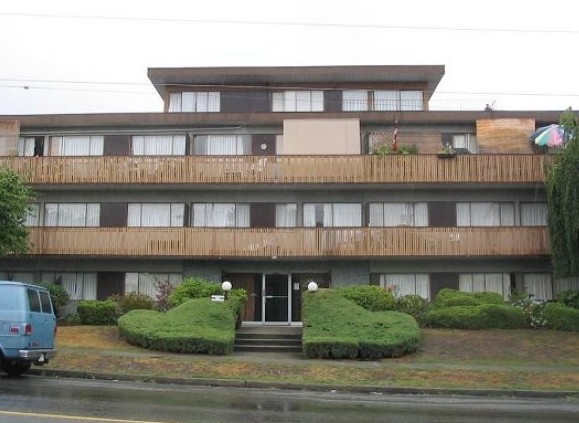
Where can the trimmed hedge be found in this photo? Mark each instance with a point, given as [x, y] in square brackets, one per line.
[200, 288]
[94, 312]
[448, 297]
[561, 317]
[371, 297]
[335, 327]
[196, 326]
[486, 316]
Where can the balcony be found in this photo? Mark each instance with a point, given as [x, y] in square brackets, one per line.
[415, 169]
[290, 242]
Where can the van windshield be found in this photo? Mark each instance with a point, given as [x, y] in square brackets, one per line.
[11, 298]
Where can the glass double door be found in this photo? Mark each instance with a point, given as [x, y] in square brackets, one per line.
[276, 300]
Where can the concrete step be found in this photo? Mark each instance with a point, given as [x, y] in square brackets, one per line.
[269, 339]
[260, 348]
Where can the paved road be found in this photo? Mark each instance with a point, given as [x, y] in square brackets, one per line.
[35, 399]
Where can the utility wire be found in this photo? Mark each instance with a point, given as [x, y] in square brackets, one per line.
[294, 23]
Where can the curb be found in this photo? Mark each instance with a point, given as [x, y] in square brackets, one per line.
[249, 384]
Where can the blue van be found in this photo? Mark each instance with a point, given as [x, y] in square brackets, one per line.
[27, 326]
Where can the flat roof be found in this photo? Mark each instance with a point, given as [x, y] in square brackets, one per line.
[295, 75]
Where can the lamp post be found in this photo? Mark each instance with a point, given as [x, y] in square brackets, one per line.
[226, 287]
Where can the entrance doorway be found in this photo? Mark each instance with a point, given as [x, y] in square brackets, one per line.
[276, 298]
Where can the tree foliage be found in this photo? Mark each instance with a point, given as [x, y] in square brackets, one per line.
[14, 200]
[563, 200]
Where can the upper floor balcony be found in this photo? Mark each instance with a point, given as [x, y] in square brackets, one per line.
[313, 169]
[274, 243]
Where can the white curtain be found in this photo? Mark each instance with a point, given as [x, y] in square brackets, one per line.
[346, 215]
[499, 283]
[72, 214]
[386, 100]
[175, 102]
[79, 286]
[534, 214]
[567, 284]
[285, 215]
[156, 214]
[77, 145]
[298, 101]
[398, 214]
[485, 214]
[27, 277]
[222, 145]
[411, 100]
[26, 147]
[467, 141]
[33, 215]
[188, 102]
[159, 145]
[539, 285]
[420, 214]
[146, 283]
[376, 215]
[507, 214]
[354, 100]
[242, 215]
[221, 215]
[407, 284]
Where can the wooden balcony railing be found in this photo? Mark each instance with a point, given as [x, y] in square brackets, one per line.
[291, 242]
[396, 169]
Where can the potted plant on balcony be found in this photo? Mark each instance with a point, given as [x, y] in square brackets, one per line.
[446, 152]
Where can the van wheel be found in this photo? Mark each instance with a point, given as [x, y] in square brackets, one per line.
[16, 368]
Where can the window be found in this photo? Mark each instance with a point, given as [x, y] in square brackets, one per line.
[298, 101]
[156, 214]
[33, 215]
[26, 146]
[486, 282]
[539, 285]
[485, 214]
[33, 300]
[222, 145]
[72, 214]
[195, 102]
[465, 142]
[332, 215]
[76, 145]
[285, 215]
[45, 302]
[354, 100]
[407, 284]
[534, 214]
[79, 286]
[147, 283]
[158, 145]
[397, 100]
[220, 215]
[398, 214]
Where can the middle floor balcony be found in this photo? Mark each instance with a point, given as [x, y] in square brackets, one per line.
[273, 243]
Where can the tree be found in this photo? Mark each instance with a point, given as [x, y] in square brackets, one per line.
[14, 204]
[563, 200]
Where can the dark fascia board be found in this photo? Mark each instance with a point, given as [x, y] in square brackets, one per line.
[293, 76]
[104, 121]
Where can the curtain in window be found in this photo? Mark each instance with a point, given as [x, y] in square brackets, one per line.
[285, 215]
[560, 285]
[386, 100]
[220, 215]
[146, 283]
[242, 215]
[507, 214]
[346, 215]
[466, 141]
[79, 286]
[376, 215]
[298, 101]
[74, 214]
[485, 214]
[309, 215]
[188, 102]
[485, 282]
[398, 214]
[411, 100]
[354, 100]
[33, 215]
[420, 214]
[158, 145]
[155, 215]
[72, 145]
[534, 214]
[26, 147]
[539, 285]
[407, 284]
[175, 102]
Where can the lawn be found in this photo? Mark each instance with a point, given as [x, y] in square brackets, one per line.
[486, 359]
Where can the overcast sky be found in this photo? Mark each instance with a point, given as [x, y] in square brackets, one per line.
[92, 56]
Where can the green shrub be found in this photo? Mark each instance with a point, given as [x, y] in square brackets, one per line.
[561, 317]
[371, 297]
[448, 297]
[569, 298]
[132, 301]
[196, 326]
[486, 316]
[93, 312]
[335, 327]
[58, 295]
[414, 305]
[200, 288]
[534, 312]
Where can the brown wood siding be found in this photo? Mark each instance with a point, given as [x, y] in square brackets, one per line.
[333, 101]
[260, 140]
[110, 283]
[439, 281]
[262, 215]
[117, 145]
[244, 101]
[113, 215]
[427, 143]
[442, 214]
[505, 136]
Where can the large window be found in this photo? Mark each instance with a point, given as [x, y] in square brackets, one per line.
[533, 214]
[79, 286]
[222, 145]
[26, 146]
[539, 285]
[156, 214]
[397, 100]
[76, 145]
[209, 101]
[286, 215]
[485, 214]
[354, 100]
[398, 214]
[158, 145]
[148, 283]
[332, 215]
[298, 101]
[220, 215]
[465, 142]
[407, 283]
[486, 282]
[33, 215]
[72, 214]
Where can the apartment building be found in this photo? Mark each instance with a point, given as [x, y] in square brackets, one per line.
[264, 176]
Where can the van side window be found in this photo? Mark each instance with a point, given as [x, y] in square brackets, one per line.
[45, 302]
[33, 300]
